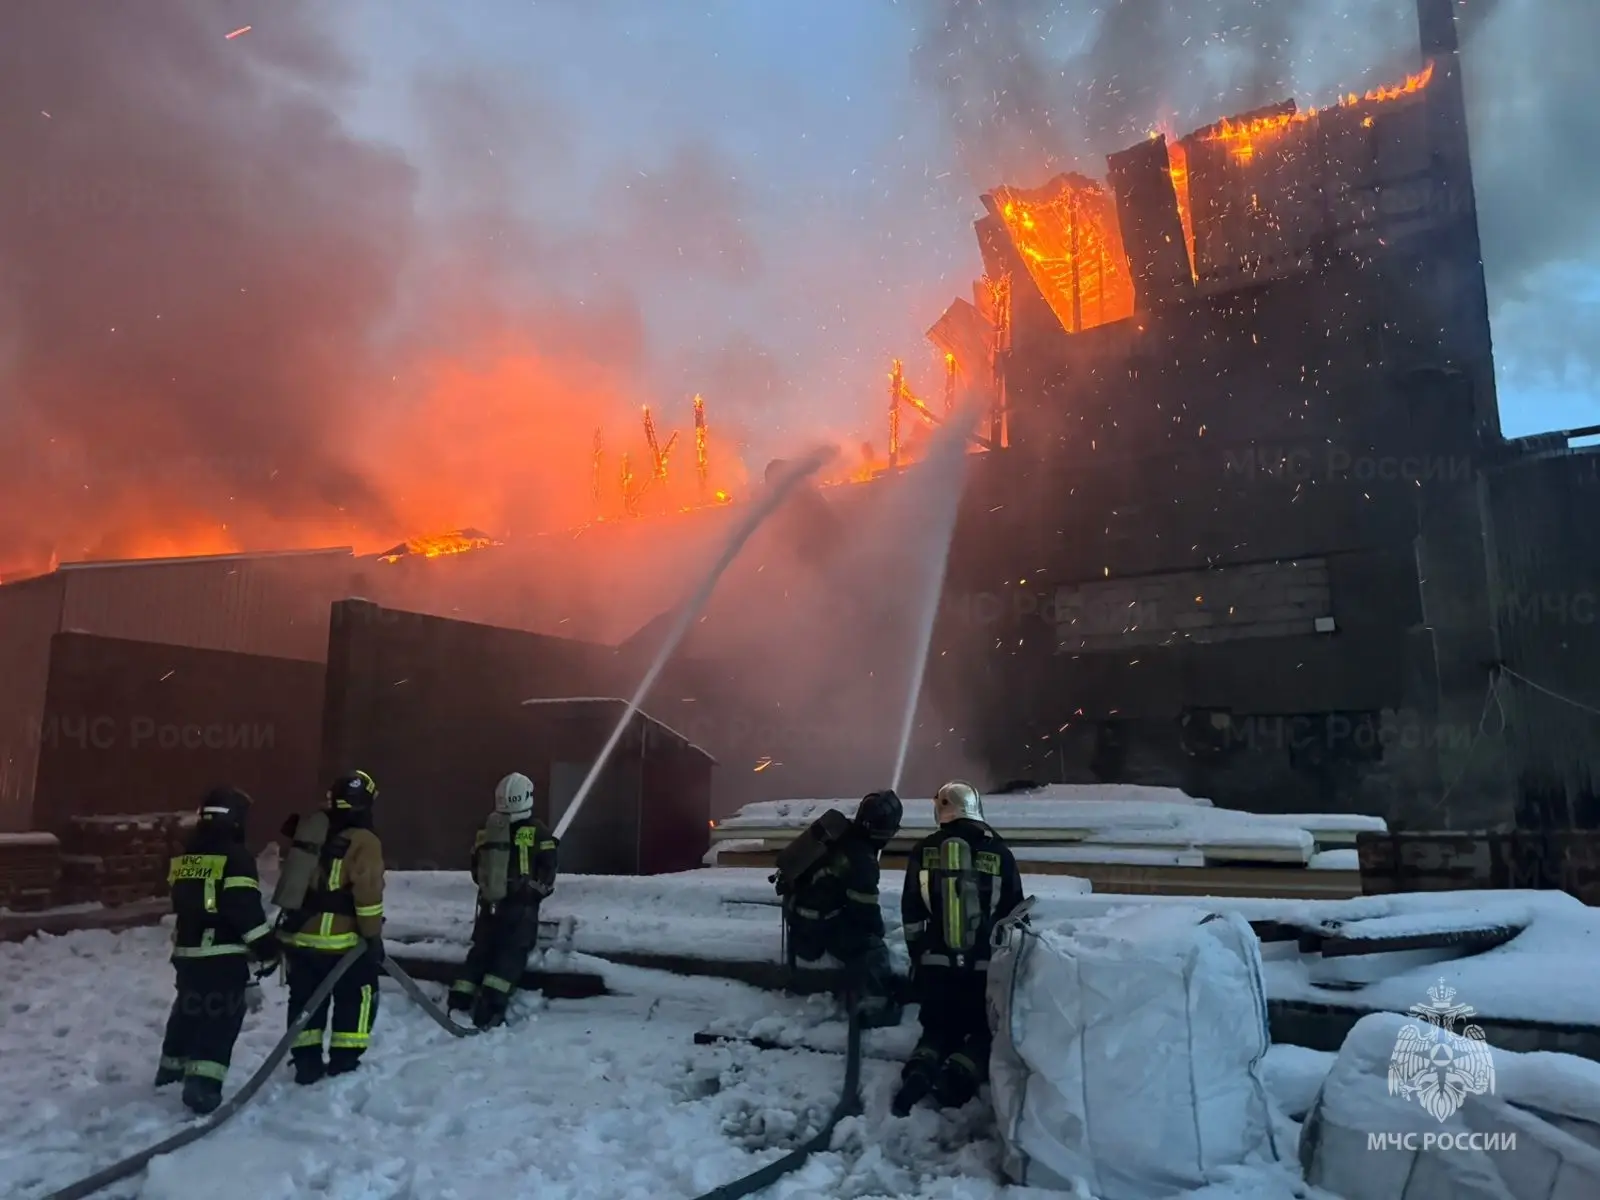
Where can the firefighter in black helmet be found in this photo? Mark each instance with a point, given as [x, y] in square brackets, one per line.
[960, 881]
[830, 902]
[219, 927]
[331, 893]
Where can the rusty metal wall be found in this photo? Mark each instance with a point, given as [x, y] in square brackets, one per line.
[275, 605]
[30, 612]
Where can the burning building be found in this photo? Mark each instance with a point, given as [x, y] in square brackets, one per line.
[1236, 539]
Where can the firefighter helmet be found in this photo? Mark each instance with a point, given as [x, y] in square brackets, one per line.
[354, 792]
[879, 813]
[513, 796]
[225, 806]
[956, 800]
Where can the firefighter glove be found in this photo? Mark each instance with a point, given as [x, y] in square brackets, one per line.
[375, 951]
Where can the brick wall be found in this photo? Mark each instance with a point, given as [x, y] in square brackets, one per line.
[1254, 601]
[30, 871]
[115, 860]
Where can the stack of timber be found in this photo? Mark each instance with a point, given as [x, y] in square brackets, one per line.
[1129, 840]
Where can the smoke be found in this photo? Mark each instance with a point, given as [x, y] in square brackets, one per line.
[230, 322]
[1027, 88]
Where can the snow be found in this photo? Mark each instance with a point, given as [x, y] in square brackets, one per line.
[1335, 860]
[604, 1098]
[1106, 815]
[1548, 973]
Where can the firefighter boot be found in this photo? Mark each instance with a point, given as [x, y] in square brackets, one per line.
[490, 1010]
[916, 1082]
[342, 1062]
[309, 1067]
[460, 999]
[202, 1095]
[956, 1082]
[170, 1072]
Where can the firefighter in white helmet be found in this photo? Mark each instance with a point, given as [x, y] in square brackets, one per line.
[514, 866]
[960, 881]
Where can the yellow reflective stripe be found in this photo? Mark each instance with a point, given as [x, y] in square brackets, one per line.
[861, 897]
[952, 893]
[988, 862]
[547, 845]
[241, 881]
[364, 1021]
[307, 1038]
[169, 1063]
[259, 932]
[322, 941]
[498, 984]
[465, 986]
[207, 1070]
[369, 910]
[207, 951]
[335, 877]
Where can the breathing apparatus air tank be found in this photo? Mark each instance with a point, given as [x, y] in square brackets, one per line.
[299, 869]
[801, 856]
[494, 858]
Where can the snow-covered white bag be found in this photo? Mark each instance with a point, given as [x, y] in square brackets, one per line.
[1127, 1051]
[1514, 1127]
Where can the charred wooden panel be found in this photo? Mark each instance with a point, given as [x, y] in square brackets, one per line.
[1152, 230]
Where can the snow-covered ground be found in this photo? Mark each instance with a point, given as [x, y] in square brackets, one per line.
[605, 1098]
[1550, 972]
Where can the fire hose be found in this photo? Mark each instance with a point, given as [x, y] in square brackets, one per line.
[848, 1106]
[135, 1163]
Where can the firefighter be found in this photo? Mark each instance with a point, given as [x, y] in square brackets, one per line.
[219, 926]
[961, 880]
[828, 878]
[331, 892]
[514, 866]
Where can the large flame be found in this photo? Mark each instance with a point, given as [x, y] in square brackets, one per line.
[1067, 234]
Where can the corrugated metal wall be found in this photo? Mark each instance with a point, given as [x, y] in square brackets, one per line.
[275, 605]
[29, 613]
[1547, 549]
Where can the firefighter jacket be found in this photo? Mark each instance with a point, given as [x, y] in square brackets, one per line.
[841, 892]
[961, 880]
[216, 898]
[344, 904]
[531, 873]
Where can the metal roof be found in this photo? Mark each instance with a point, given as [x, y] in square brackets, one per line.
[640, 712]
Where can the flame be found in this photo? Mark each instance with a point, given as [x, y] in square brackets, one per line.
[458, 541]
[1178, 168]
[1243, 137]
[951, 374]
[1068, 236]
[701, 465]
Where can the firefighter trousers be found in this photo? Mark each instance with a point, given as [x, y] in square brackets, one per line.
[353, 1006]
[867, 977]
[952, 1055]
[207, 1015]
[502, 939]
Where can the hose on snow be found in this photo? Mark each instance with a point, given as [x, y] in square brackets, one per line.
[849, 1105]
[135, 1163]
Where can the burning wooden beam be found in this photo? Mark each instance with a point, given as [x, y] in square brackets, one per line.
[701, 462]
[950, 376]
[599, 464]
[896, 391]
[658, 459]
[630, 498]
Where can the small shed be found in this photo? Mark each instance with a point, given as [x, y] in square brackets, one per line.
[650, 810]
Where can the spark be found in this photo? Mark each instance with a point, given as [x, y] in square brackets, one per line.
[239, 32]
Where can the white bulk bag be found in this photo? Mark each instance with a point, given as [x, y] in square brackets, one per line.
[1514, 1127]
[1127, 1051]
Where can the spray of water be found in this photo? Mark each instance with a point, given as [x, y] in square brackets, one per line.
[786, 482]
[946, 461]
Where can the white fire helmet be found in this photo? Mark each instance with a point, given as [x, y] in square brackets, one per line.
[955, 800]
[513, 796]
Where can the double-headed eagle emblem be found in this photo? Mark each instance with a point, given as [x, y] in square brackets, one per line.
[1436, 1065]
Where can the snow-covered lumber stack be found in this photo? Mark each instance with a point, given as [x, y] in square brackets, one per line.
[30, 869]
[1121, 838]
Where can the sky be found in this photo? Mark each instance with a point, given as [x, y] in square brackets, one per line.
[840, 152]
[373, 268]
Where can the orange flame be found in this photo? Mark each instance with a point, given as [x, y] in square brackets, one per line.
[1242, 137]
[1068, 236]
[1178, 168]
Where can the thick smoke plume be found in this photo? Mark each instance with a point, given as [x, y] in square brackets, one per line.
[227, 322]
[1027, 88]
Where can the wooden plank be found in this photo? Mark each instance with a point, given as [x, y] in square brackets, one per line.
[1152, 231]
[1565, 860]
[1469, 941]
[21, 926]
